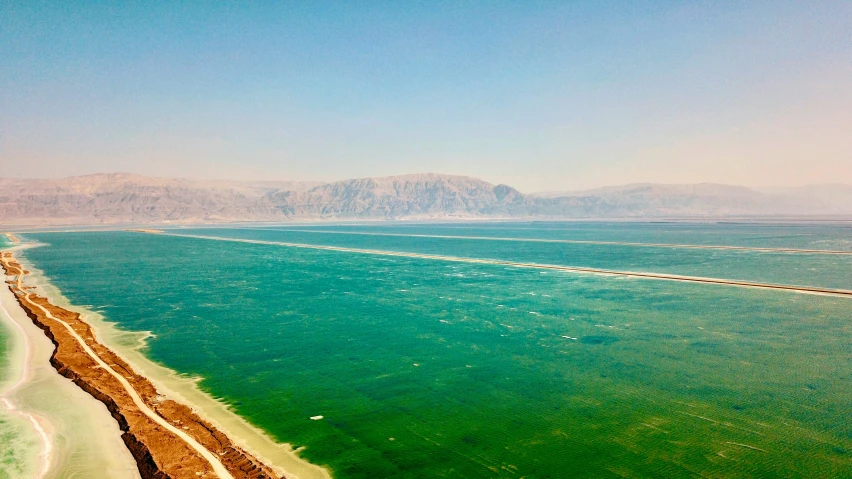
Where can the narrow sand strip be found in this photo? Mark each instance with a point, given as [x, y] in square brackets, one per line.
[77, 436]
[282, 457]
[214, 461]
[217, 466]
[571, 269]
[593, 242]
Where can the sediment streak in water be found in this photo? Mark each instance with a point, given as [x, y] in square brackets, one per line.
[594, 242]
[571, 269]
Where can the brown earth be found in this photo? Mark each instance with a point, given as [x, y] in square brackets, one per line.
[159, 453]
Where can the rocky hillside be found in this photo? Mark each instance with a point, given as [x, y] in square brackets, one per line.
[645, 199]
[409, 196]
[124, 198]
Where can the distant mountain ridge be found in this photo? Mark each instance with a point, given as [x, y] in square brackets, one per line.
[125, 198]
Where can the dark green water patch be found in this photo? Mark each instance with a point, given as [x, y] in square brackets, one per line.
[598, 339]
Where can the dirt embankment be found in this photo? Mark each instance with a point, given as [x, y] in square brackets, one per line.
[159, 452]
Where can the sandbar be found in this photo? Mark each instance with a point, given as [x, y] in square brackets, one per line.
[845, 293]
[161, 430]
[71, 434]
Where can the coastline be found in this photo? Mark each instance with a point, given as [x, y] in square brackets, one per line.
[70, 433]
[255, 446]
[17, 375]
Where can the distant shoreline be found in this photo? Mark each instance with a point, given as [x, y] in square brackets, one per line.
[768, 220]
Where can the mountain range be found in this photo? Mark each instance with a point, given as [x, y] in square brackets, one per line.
[121, 198]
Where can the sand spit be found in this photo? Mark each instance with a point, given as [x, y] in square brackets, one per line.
[63, 432]
[142, 230]
[12, 238]
[758, 249]
[83, 440]
[571, 269]
[166, 438]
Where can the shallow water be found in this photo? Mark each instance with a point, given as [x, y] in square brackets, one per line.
[426, 368]
[18, 445]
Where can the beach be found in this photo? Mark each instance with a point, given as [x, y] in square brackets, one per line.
[163, 435]
[64, 432]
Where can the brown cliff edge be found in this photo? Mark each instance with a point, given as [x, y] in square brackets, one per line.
[159, 453]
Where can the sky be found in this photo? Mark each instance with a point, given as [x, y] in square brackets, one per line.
[543, 96]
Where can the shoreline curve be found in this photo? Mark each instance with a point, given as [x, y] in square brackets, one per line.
[166, 446]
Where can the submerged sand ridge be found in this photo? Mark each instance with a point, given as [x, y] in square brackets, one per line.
[167, 439]
[846, 293]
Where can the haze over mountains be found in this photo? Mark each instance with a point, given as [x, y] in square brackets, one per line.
[133, 199]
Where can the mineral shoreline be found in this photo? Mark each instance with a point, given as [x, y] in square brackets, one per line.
[156, 444]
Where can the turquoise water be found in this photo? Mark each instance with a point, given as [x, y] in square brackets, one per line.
[425, 368]
[803, 235]
[831, 271]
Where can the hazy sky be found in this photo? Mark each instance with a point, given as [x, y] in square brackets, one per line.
[539, 95]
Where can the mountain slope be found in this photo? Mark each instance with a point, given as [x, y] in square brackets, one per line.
[124, 198]
[647, 199]
[409, 196]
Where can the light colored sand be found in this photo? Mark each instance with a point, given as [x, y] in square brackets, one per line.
[29, 449]
[129, 346]
[20, 374]
[84, 440]
[214, 461]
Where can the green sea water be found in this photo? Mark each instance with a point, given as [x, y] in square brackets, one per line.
[794, 235]
[830, 271]
[425, 368]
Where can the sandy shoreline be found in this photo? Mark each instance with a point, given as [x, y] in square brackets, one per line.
[130, 344]
[20, 373]
[279, 457]
[78, 437]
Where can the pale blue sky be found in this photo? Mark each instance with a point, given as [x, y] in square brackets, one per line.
[539, 95]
